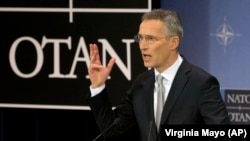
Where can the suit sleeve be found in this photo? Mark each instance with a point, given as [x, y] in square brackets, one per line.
[212, 106]
[104, 114]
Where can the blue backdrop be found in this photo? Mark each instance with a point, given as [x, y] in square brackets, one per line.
[216, 38]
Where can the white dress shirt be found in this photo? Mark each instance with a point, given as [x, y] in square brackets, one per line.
[169, 75]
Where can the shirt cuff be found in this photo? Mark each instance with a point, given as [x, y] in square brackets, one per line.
[96, 91]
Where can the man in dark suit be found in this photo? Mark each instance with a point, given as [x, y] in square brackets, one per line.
[190, 95]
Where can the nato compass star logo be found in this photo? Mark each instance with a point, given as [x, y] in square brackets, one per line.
[224, 34]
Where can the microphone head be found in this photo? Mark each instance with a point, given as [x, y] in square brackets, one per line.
[117, 120]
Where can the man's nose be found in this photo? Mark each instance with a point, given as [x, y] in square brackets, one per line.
[143, 44]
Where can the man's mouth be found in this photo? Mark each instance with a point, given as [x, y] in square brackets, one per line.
[146, 56]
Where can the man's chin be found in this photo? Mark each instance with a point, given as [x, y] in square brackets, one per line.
[147, 65]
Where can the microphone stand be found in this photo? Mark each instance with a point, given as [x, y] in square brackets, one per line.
[113, 124]
[150, 128]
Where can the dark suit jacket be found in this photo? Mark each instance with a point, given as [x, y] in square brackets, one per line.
[194, 98]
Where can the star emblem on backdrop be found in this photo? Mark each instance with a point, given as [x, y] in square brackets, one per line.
[224, 34]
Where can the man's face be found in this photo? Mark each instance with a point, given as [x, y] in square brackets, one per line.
[155, 45]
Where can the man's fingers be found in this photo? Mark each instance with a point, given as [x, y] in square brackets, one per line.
[94, 54]
[95, 58]
[111, 64]
[95, 66]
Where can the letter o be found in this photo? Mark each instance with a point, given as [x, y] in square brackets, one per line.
[231, 116]
[12, 57]
[222, 133]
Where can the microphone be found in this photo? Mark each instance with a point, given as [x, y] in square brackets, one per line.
[150, 128]
[104, 131]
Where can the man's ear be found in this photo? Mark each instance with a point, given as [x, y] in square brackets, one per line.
[175, 41]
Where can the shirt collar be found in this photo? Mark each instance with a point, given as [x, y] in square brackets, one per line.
[170, 72]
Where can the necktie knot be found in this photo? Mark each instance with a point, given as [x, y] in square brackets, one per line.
[159, 79]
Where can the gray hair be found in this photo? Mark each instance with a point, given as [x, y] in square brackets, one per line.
[170, 18]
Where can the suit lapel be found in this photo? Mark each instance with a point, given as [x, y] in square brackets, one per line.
[148, 88]
[147, 93]
[176, 89]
